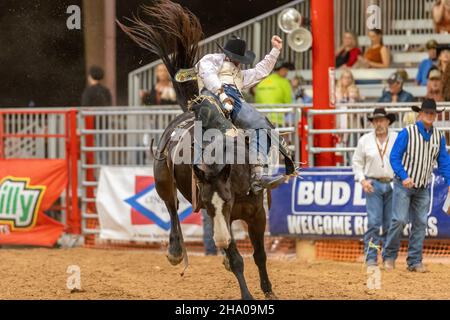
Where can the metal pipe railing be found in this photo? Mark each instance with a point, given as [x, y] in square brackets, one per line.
[361, 110]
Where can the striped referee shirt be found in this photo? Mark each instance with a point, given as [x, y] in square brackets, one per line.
[415, 153]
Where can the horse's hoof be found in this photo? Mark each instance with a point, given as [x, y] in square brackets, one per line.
[174, 260]
[248, 297]
[271, 296]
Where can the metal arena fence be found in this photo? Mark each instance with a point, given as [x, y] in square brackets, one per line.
[351, 123]
[114, 136]
[118, 136]
[45, 134]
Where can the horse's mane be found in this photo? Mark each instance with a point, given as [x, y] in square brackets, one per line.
[172, 33]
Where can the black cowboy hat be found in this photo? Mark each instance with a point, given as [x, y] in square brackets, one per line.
[236, 50]
[381, 113]
[427, 105]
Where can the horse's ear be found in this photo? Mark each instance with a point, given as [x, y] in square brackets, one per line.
[199, 173]
[225, 172]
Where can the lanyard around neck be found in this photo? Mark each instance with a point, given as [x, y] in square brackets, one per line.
[381, 151]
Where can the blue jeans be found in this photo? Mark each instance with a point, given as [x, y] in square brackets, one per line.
[208, 233]
[259, 145]
[413, 204]
[379, 215]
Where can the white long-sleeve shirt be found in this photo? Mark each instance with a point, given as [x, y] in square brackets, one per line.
[367, 161]
[210, 65]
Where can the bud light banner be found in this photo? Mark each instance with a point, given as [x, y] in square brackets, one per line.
[327, 202]
[27, 189]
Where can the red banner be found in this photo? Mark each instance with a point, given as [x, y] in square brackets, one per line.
[27, 189]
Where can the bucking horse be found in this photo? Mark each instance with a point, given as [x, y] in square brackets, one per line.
[172, 33]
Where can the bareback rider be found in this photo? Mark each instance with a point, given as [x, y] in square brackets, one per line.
[221, 75]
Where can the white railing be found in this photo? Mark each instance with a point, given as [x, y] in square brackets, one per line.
[120, 136]
[351, 123]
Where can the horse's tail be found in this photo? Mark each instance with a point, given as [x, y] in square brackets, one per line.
[172, 33]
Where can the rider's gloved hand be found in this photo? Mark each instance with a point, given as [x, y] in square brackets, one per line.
[226, 101]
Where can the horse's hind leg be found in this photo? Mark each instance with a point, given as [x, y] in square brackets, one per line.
[237, 267]
[175, 252]
[168, 192]
[256, 232]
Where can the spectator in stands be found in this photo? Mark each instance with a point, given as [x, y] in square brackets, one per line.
[276, 89]
[404, 74]
[345, 81]
[96, 95]
[163, 92]
[395, 92]
[434, 85]
[353, 94]
[410, 118]
[444, 59]
[377, 55]
[446, 84]
[298, 92]
[347, 54]
[441, 16]
[372, 169]
[426, 64]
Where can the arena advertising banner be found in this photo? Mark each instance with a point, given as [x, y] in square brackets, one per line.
[27, 189]
[130, 209]
[327, 202]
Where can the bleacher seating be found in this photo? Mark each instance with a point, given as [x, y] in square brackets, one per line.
[408, 58]
[371, 92]
[414, 39]
[413, 25]
[362, 74]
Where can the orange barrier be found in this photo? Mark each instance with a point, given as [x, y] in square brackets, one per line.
[45, 134]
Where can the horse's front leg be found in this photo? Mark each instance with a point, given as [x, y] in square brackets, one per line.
[256, 231]
[237, 267]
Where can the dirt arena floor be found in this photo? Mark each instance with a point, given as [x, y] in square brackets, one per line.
[120, 274]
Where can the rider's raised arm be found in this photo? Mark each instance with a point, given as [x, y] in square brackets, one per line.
[261, 70]
[208, 70]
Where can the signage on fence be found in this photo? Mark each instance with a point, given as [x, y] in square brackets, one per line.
[130, 209]
[27, 189]
[327, 202]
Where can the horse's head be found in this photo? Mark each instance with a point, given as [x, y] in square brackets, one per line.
[215, 191]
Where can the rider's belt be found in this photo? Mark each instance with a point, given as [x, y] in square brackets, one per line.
[382, 180]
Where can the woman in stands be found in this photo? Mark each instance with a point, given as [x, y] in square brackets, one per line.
[441, 16]
[446, 83]
[377, 55]
[163, 92]
[345, 81]
[444, 59]
[347, 54]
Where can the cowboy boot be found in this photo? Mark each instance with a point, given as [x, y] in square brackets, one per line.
[260, 180]
[288, 161]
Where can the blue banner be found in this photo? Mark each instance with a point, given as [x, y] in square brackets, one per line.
[327, 202]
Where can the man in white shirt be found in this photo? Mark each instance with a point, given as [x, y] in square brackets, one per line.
[372, 169]
[220, 75]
